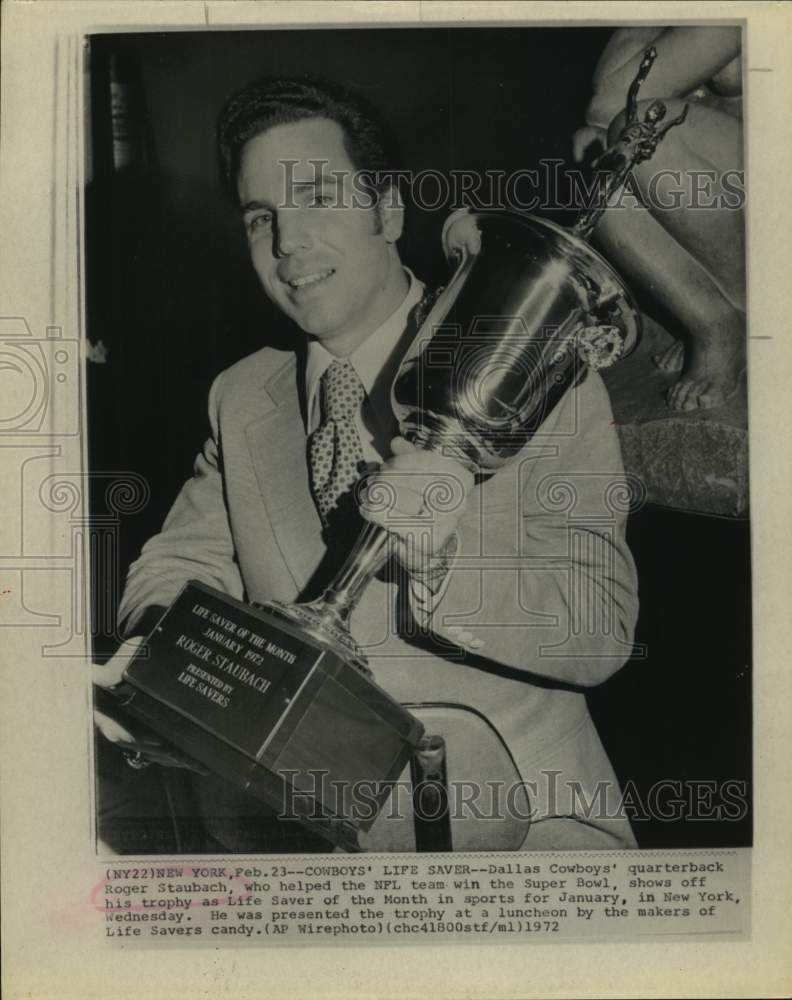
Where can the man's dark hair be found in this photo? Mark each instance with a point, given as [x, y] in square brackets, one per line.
[281, 101]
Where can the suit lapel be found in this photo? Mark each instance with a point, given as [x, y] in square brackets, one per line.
[277, 443]
[278, 449]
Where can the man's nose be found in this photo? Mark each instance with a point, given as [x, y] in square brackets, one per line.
[292, 233]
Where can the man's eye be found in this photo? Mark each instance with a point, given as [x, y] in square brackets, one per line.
[321, 201]
[261, 221]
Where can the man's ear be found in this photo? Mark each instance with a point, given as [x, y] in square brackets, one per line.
[390, 211]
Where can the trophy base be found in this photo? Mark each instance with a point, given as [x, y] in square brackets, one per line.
[277, 705]
[319, 621]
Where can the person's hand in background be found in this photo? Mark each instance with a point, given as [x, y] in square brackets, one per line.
[586, 137]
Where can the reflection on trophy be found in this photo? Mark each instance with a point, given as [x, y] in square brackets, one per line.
[529, 307]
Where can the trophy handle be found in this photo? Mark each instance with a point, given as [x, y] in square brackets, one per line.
[461, 238]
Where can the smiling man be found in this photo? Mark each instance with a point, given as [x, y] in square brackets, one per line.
[485, 609]
[335, 272]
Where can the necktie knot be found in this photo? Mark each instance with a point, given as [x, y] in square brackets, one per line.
[343, 391]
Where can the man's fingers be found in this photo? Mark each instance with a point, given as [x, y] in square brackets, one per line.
[407, 460]
[152, 749]
[112, 730]
[418, 496]
[390, 495]
[109, 674]
[401, 446]
[125, 733]
[396, 491]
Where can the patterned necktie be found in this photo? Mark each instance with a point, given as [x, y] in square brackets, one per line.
[336, 455]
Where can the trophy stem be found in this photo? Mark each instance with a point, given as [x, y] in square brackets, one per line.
[327, 618]
[363, 562]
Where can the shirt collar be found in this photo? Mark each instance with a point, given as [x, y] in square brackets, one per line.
[369, 358]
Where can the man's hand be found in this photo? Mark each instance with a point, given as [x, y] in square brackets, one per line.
[419, 497]
[107, 675]
[141, 747]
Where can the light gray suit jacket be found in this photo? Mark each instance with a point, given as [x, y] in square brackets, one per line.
[543, 585]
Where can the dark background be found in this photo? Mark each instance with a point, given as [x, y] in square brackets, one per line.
[173, 298]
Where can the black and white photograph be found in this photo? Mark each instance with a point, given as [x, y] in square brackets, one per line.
[509, 333]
